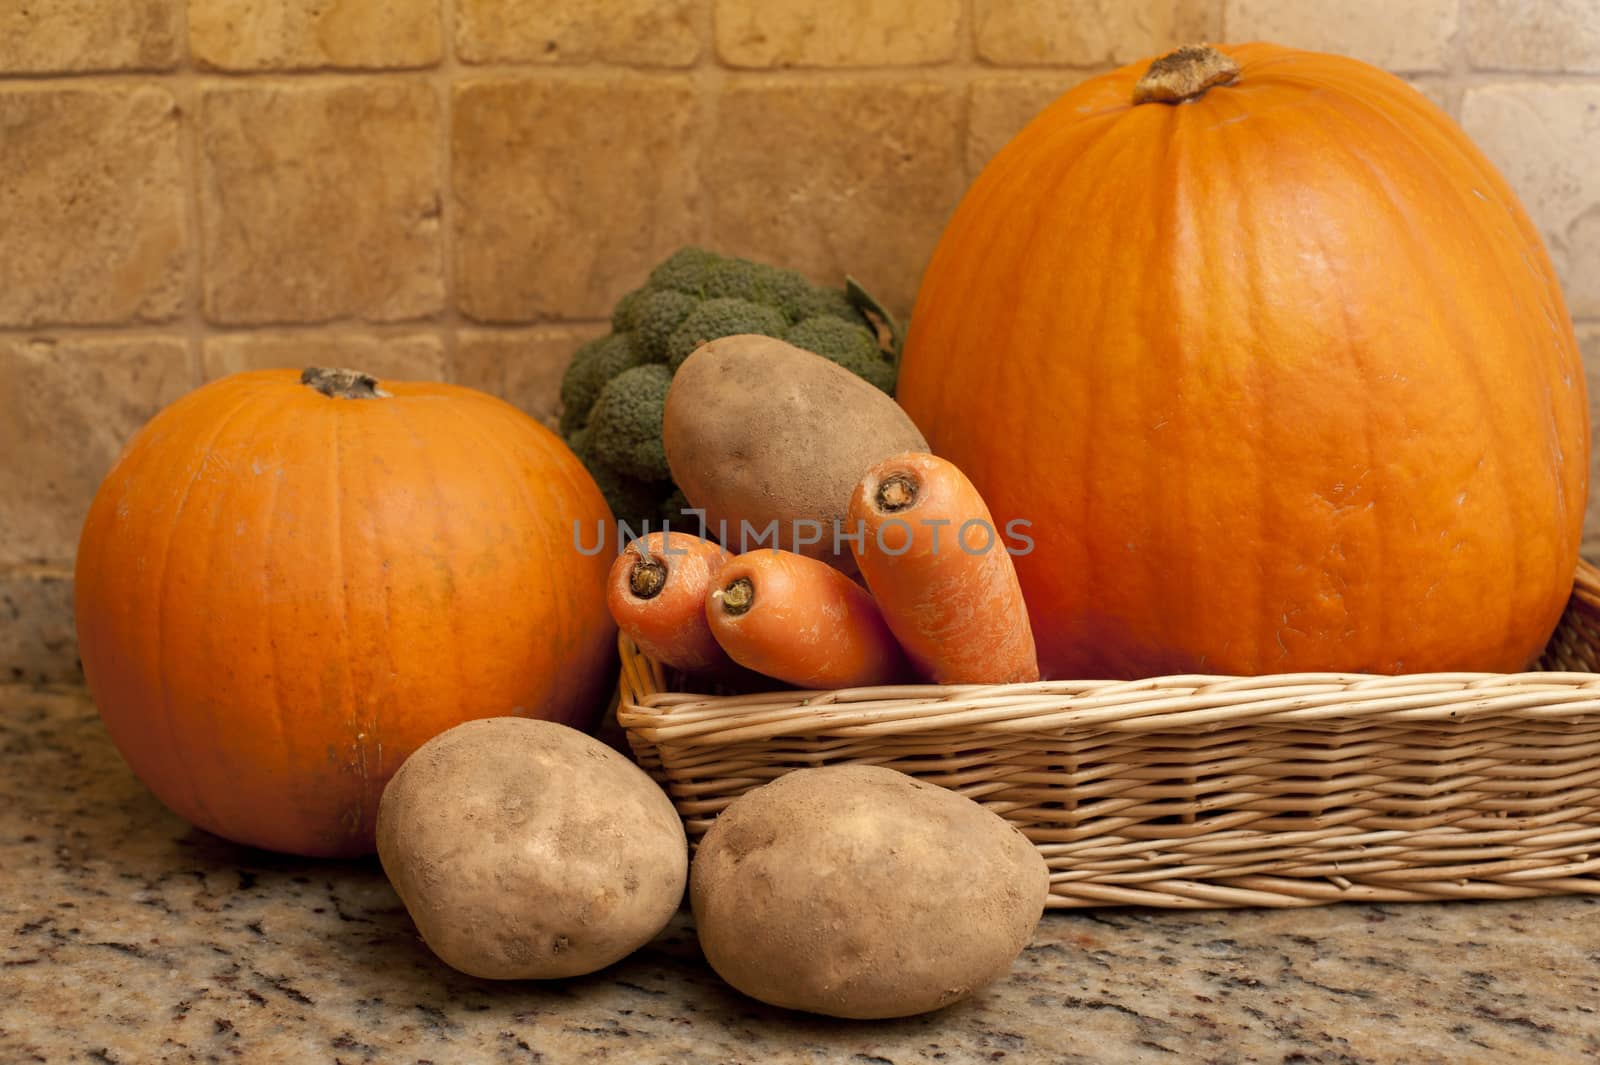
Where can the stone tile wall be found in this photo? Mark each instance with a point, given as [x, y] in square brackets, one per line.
[461, 188]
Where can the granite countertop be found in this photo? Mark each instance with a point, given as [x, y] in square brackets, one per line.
[126, 936]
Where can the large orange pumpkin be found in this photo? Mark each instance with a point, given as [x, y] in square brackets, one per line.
[285, 588]
[1276, 366]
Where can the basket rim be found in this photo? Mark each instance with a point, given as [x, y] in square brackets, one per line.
[649, 706]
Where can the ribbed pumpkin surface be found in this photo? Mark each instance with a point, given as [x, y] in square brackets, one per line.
[1281, 376]
[281, 595]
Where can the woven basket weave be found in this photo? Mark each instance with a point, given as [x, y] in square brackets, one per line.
[1190, 791]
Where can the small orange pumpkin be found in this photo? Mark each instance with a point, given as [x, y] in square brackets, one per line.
[1276, 366]
[290, 582]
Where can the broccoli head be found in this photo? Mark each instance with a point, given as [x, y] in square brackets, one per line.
[683, 270]
[654, 317]
[850, 345]
[770, 286]
[624, 428]
[591, 367]
[721, 317]
[614, 390]
[622, 313]
[827, 303]
[628, 498]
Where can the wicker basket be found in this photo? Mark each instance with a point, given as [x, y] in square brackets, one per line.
[1192, 791]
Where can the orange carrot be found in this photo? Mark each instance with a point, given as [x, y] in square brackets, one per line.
[936, 564]
[803, 622]
[657, 593]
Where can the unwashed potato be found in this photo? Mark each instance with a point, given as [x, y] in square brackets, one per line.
[857, 891]
[759, 431]
[525, 849]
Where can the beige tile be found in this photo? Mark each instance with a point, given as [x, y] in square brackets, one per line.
[836, 33]
[569, 191]
[1001, 106]
[1417, 35]
[835, 176]
[524, 366]
[1086, 33]
[59, 36]
[67, 407]
[38, 642]
[1534, 36]
[1437, 89]
[91, 205]
[1536, 133]
[401, 357]
[642, 33]
[297, 34]
[320, 202]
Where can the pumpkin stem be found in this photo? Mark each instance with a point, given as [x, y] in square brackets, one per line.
[342, 384]
[1184, 75]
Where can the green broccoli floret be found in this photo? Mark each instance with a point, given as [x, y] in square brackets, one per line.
[615, 388]
[783, 290]
[684, 270]
[724, 317]
[655, 314]
[630, 499]
[622, 313]
[708, 276]
[852, 346]
[625, 424]
[827, 302]
[591, 367]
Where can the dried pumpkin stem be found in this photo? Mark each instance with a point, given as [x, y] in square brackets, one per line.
[1184, 75]
[738, 597]
[336, 383]
[896, 492]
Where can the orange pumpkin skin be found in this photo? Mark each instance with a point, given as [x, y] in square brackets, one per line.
[1281, 376]
[280, 595]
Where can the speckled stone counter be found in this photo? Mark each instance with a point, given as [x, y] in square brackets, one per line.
[126, 936]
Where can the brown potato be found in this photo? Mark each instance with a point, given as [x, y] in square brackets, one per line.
[857, 891]
[525, 849]
[758, 431]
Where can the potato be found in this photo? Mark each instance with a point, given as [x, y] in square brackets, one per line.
[857, 891]
[525, 849]
[758, 431]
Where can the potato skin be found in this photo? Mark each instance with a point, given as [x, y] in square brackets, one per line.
[861, 892]
[757, 430]
[525, 849]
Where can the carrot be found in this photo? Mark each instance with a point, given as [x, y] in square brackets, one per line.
[933, 559]
[803, 622]
[657, 592]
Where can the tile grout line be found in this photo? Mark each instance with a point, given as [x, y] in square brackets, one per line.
[176, 327]
[47, 570]
[445, 76]
[188, 93]
[955, 68]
